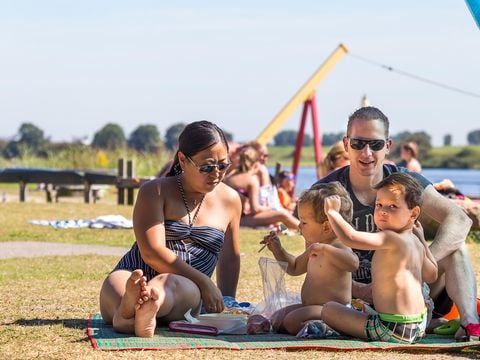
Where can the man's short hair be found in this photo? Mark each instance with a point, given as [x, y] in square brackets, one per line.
[408, 185]
[316, 196]
[368, 113]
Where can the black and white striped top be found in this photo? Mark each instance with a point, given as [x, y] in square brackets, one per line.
[198, 246]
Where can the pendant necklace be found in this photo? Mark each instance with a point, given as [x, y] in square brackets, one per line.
[184, 198]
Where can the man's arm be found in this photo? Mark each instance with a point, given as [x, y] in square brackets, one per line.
[454, 224]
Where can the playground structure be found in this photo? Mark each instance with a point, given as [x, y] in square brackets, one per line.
[305, 95]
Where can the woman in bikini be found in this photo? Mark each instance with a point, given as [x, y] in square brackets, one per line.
[185, 225]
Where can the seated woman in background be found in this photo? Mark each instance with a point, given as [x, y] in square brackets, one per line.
[246, 182]
[409, 155]
[336, 158]
[286, 184]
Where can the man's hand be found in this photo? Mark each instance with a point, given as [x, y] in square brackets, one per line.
[332, 202]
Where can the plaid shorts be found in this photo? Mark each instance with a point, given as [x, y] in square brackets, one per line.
[394, 332]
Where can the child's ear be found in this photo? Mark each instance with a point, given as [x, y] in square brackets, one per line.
[326, 227]
[415, 213]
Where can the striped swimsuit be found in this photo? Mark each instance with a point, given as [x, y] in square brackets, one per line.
[198, 246]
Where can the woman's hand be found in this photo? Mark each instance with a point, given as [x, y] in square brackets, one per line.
[212, 297]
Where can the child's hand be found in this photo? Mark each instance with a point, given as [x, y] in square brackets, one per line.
[332, 202]
[271, 241]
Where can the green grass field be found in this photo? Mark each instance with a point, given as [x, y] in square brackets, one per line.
[46, 301]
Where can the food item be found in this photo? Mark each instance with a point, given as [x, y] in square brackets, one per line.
[257, 324]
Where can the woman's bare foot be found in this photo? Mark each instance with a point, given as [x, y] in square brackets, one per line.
[135, 289]
[146, 313]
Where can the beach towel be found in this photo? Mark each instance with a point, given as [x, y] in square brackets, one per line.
[101, 222]
[102, 337]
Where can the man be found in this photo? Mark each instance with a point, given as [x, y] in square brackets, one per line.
[367, 144]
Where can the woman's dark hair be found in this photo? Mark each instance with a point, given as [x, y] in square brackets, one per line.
[195, 137]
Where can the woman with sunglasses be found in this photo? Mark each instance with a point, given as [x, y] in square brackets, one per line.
[185, 224]
[367, 143]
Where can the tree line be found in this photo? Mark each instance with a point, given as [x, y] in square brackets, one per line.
[147, 138]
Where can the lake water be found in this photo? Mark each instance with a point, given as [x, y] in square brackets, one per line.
[467, 181]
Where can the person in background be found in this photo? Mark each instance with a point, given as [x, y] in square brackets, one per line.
[186, 226]
[367, 143]
[245, 181]
[409, 155]
[336, 158]
[286, 185]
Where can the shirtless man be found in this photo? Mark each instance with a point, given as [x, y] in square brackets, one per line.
[327, 262]
[367, 143]
[401, 262]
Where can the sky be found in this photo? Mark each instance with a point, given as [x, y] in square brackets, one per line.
[71, 67]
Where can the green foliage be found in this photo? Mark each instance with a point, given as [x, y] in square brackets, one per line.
[172, 134]
[473, 137]
[447, 140]
[421, 138]
[329, 139]
[289, 138]
[30, 138]
[110, 137]
[145, 138]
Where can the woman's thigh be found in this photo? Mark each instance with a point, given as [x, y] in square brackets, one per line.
[111, 294]
[181, 293]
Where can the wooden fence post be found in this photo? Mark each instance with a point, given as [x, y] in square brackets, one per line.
[120, 188]
[130, 175]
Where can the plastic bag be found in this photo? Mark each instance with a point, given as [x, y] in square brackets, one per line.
[275, 295]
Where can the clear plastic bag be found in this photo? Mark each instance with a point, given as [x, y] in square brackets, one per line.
[275, 295]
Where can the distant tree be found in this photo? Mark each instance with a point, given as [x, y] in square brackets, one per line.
[289, 138]
[447, 140]
[110, 137]
[473, 137]
[172, 134]
[421, 138]
[145, 138]
[29, 138]
[329, 139]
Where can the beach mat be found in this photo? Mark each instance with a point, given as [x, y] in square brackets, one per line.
[103, 337]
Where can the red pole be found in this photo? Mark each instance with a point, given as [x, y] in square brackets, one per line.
[300, 136]
[317, 139]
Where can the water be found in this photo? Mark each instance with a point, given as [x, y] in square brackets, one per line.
[466, 180]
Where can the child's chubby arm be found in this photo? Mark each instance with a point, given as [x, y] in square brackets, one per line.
[340, 256]
[297, 265]
[347, 234]
[430, 267]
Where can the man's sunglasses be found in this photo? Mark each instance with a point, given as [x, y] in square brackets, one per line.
[374, 145]
[208, 168]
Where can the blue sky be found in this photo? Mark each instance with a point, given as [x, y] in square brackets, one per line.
[70, 67]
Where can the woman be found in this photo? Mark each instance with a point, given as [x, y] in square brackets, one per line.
[336, 158]
[245, 180]
[185, 224]
[409, 154]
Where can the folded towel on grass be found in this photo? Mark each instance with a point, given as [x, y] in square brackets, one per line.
[101, 222]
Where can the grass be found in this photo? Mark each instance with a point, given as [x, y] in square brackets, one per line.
[46, 301]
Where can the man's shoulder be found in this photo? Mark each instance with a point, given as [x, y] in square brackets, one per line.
[340, 175]
[389, 169]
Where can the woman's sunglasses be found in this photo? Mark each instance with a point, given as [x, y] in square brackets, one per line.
[374, 145]
[208, 168]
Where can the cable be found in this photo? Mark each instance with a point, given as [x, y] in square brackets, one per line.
[416, 77]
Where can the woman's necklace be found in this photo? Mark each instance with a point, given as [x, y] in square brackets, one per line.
[184, 198]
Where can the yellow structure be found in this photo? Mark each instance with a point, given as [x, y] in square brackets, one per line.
[302, 95]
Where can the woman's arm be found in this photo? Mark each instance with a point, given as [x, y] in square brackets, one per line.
[148, 225]
[254, 196]
[228, 266]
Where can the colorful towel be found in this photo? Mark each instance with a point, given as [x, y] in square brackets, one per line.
[104, 338]
[101, 222]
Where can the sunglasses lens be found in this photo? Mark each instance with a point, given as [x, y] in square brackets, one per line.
[376, 145]
[207, 169]
[357, 144]
[223, 166]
